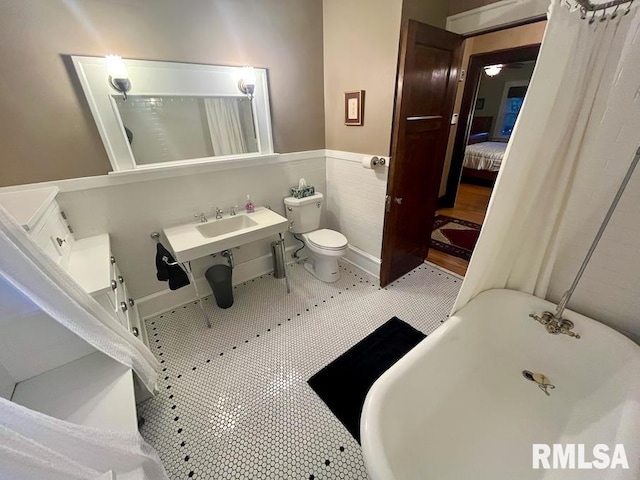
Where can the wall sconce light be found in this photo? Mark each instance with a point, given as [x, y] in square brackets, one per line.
[118, 76]
[247, 82]
[493, 70]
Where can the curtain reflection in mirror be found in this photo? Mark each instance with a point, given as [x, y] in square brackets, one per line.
[228, 120]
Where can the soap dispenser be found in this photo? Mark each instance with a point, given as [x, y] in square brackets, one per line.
[249, 206]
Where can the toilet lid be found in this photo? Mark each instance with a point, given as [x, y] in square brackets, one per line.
[328, 239]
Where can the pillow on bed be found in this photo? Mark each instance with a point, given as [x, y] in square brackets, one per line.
[478, 138]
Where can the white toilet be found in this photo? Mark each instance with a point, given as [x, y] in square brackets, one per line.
[325, 246]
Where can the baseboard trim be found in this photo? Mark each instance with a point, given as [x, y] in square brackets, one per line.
[363, 260]
[160, 302]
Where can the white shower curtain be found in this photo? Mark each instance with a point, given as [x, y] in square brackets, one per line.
[33, 445]
[225, 125]
[36, 446]
[577, 70]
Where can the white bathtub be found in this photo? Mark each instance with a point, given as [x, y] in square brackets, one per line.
[457, 407]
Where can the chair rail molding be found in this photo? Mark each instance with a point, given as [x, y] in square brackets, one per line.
[160, 172]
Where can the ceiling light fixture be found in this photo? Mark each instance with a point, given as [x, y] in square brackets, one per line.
[247, 82]
[493, 70]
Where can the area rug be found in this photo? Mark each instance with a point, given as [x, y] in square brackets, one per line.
[344, 383]
[454, 236]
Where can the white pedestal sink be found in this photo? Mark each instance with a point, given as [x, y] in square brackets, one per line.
[196, 240]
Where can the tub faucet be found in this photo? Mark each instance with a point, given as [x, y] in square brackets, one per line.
[555, 324]
[219, 213]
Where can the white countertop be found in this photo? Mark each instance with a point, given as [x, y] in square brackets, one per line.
[188, 243]
[27, 206]
[90, 263]
[95, 391]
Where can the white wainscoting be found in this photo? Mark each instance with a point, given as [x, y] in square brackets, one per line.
[130, 205]
[495, 15]
[131, 211]
[355, 206]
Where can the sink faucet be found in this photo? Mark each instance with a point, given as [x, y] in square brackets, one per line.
[233, 210]
[219, 213]
[203, 218]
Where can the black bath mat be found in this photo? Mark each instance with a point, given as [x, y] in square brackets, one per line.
[345, 382]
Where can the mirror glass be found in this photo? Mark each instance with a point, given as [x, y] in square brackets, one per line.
[166, 128]
[177, 113]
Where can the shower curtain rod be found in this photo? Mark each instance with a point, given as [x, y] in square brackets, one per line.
[588, 6]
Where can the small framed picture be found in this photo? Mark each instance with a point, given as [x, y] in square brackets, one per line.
[354, 108]
[479, 103]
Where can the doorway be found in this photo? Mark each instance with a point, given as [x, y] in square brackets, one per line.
[493, 95]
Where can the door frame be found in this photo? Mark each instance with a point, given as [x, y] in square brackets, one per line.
[470, 92]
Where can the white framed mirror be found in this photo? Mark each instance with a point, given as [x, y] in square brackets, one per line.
[176, 113]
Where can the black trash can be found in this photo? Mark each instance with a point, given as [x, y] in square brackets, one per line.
[219, 277]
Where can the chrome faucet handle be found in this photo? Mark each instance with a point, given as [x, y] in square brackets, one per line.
[544, 318]
[201, 216]
[566, 331]
[219, 213]
[556, 326]
[565, 327]
[233, 210]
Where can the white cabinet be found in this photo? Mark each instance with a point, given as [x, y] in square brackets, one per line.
[87, 387]
[89, 260]
[52, 234]
[94, 266]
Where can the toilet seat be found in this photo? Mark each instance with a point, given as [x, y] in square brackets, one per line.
[326, 239]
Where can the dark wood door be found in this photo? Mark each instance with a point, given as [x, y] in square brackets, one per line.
[428, 69]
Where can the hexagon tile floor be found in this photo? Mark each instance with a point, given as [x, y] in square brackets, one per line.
[233, 400]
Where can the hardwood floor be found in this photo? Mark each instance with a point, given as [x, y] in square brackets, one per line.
[471, 205]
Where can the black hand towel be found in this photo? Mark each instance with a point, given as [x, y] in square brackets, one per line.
[176, 276]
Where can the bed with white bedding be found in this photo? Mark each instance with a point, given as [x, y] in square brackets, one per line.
[484, 156]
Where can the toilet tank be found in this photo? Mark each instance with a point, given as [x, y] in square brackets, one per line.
[304, 213]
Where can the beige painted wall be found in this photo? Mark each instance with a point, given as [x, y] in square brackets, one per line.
[431, 12]
[458, 6]
[48, 132]
[360, 53]
[490, 42]
[361, 40]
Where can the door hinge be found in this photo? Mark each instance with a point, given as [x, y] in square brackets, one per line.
[387, 202]
[70, 229]
[63, 215]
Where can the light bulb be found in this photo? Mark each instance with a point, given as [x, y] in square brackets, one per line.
[116, 67]
[248, 75]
